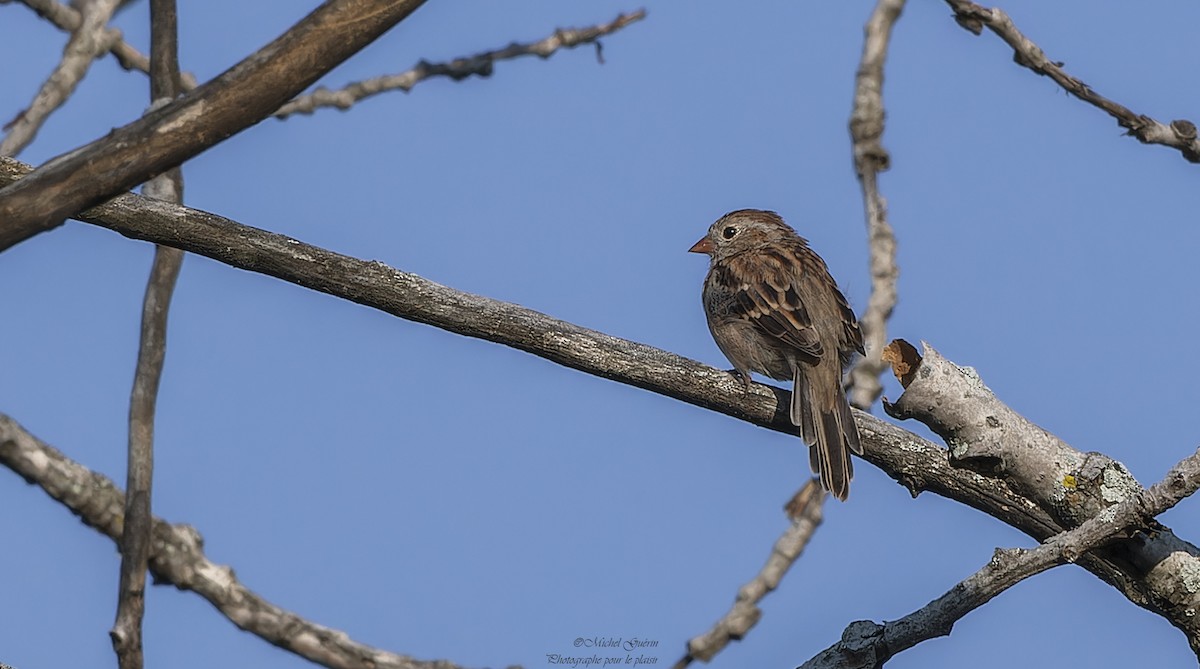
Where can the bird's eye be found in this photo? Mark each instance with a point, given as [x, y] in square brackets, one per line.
[729, 232]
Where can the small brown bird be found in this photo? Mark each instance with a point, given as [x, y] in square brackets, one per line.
[774, 309]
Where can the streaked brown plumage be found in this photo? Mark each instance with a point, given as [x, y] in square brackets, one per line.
[774, 309]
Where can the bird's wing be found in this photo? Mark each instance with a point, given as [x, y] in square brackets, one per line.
[851, 334]
[764, 293]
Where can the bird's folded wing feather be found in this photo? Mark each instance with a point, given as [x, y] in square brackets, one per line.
[851, 334]
[764, 293]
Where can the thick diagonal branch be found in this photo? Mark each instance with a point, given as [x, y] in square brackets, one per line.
[177, 557]
[914, 462]
[242, 96]
[1179, 134]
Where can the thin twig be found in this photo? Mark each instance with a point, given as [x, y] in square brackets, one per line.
[135, 540]
[805, 512]
[480, 65]
[866, 644]
[870, 158]
[164, 54]
[177, 557]
[87, 43]
[1179, 134]
[67, 19]
[126, 633]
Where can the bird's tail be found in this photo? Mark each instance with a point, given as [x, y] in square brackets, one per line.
[820, 410]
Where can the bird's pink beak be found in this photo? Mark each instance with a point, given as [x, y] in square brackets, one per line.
[702, 246]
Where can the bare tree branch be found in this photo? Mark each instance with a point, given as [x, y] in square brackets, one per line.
[914, 462]
[805, 511]
[135, 538]
[865, 644]
[1179, 134]
[165, 81]
[135, 541]
[480, 65]
[1147, 568]
[177, 557]
[870, 158]
[67, 19]
[88, 42]
[990, 438]
[164, 138]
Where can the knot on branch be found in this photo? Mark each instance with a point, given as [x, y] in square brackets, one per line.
[970, 19]
[1137, 126]
[1185, 131]
[1033, 58]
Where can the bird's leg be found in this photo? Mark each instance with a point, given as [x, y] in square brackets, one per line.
[744, 377]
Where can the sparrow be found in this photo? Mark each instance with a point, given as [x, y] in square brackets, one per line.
[774, 309]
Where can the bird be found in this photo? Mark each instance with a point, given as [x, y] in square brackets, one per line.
[773, 308]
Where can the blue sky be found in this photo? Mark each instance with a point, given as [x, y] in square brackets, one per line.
[451, 498]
